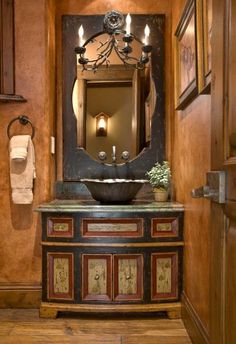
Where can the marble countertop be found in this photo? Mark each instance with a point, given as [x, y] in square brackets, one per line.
[80, 205]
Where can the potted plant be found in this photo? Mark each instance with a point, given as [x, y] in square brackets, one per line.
[159, 177]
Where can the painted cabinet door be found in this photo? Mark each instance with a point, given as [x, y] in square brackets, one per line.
[60, 276]
[128, 277]
[164, 276]
[223, 157]
[96, 277]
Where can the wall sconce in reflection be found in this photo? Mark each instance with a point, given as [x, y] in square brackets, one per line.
[101, 124]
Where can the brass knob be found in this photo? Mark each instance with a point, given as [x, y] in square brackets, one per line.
[96, 277]
[128, 276]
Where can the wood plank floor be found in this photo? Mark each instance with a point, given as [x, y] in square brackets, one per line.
[19, 326]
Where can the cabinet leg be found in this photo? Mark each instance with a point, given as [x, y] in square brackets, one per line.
[175, 314]
[47, 312]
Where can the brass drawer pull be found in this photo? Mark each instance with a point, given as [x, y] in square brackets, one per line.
[97, 277]
[128, 276]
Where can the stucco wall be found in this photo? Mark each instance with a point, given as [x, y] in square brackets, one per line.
[20, 250]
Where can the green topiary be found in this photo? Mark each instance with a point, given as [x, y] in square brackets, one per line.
[160, 175]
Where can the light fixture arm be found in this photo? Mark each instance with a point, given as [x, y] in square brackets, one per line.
[113, 26]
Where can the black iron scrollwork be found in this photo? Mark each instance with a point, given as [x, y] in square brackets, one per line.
[113, 20]
[24, 120]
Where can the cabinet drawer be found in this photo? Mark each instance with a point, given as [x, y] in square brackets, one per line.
[165, 227]
[112, 227]
[128, 277]
[60, 227]
[96, 277]
[164, 275]
[60, 275]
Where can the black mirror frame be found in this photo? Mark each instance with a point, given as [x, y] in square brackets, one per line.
[77, 163]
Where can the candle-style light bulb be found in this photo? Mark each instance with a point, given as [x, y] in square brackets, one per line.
[102, 123]
[128, 22]
[81, 34]
[147, 33]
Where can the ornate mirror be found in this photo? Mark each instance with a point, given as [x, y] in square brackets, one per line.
[128, 102]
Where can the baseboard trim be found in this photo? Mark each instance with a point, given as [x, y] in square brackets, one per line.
[20, 296]
[192, 322]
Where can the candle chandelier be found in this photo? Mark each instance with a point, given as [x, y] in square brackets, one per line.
[117, 40]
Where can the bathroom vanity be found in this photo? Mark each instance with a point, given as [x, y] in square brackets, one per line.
[111, 258]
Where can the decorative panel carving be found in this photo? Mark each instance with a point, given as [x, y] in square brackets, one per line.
[112, 227]
[128, 277]
[60, 276]
[165, 275]
[60, 227]
[165, 227]
[96, 272]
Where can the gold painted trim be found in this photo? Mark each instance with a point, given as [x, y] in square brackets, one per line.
[136, 244]
[72, 276]
[98, 308]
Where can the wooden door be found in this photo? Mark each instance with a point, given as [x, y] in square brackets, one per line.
[223, 149]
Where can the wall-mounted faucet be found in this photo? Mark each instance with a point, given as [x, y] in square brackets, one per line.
[113, 155]
[103, 156]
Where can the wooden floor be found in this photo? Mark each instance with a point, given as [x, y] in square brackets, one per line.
[25, 326]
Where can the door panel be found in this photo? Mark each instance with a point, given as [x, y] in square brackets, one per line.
[230, 80]
[230, 282]
[223, 218]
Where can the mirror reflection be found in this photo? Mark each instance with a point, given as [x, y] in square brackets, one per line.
[113, 126]
[113, 107]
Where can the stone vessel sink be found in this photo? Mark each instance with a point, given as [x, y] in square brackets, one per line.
[113, 190]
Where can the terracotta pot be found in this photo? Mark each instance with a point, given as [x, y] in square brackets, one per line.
[160, 195]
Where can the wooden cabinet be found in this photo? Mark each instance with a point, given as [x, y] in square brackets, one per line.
[111, 258]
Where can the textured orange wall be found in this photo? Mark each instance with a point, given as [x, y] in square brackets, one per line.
[191, 161]
[20, 232]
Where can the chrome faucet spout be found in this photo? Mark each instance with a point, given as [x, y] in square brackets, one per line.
[113, 155]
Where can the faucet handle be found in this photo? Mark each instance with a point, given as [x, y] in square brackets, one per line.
[125, 155]
[102, 155]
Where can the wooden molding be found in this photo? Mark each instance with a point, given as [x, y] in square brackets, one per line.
[7, 98]
[132, 244]
[20, 296]
[50, 310]
[196, 330]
